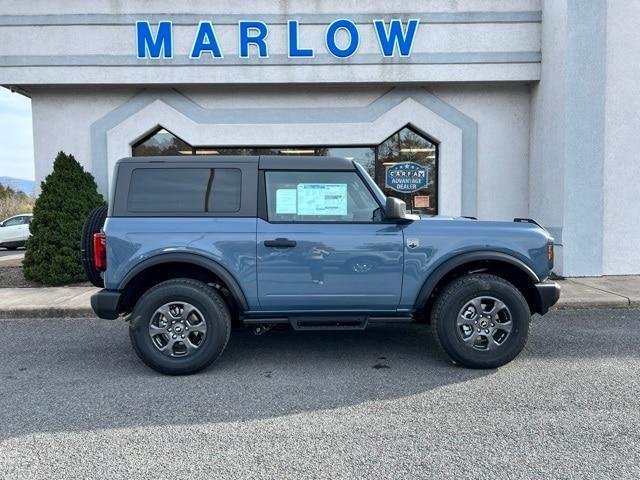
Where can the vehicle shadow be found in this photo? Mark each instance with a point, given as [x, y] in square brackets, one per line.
[75, 375]
[70, 375]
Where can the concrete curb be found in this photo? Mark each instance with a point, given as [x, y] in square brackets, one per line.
[594, 305]
[46, 302]
[61, 312]
[51, 312]
[602, 292]
[11, 258]
[73, 302]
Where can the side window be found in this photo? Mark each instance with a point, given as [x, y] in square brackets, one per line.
[184, 190]
[226, 188]
[14, 221]
[318, 197]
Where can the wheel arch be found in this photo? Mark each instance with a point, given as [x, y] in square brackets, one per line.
[166, 266]
[502, 264]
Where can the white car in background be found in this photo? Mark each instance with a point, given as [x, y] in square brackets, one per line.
[14, 231]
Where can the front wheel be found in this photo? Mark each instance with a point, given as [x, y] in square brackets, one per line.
[180, 326]
[481, 321]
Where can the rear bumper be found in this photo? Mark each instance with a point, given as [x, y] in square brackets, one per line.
[548, 294]
[106, 304]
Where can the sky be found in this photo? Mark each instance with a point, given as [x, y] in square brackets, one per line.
[16, 136]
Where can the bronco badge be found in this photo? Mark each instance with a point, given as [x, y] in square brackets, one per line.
[413, 243]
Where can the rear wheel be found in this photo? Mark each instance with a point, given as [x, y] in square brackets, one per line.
[180, 326]
[481, 321]
[93, 224]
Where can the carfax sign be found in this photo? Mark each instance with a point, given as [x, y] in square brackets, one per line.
[406, 177]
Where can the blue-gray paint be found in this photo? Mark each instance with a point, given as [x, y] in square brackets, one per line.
[424, 58]
[584, 155]
[296, 115]
[230, 242]
[328, 252]
[324, 252]
[274, 19]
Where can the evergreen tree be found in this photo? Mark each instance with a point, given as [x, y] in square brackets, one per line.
[67, 196]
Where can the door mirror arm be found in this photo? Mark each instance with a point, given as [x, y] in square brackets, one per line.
[378, 215]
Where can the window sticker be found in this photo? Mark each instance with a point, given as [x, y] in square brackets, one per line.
[286, 201]
[322, 199]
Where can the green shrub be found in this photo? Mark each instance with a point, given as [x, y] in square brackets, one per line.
[67, 196]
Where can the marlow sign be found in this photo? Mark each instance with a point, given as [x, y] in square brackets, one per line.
[392, 36]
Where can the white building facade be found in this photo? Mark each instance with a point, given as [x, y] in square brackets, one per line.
[513, 108]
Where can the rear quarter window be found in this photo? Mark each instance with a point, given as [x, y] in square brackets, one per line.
[184, 190]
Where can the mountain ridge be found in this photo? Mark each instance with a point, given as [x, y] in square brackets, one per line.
[22, 184]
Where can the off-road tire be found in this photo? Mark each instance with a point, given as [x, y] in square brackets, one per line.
[453, 298]
[93, 224]
[206, 299]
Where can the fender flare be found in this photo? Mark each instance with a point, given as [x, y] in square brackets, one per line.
[194, 259]
[438, 274]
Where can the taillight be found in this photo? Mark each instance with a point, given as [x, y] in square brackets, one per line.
[550, 254]
[100, 251]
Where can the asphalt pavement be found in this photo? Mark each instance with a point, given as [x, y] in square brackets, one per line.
[75, 402]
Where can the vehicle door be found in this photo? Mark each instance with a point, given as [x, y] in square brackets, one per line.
[24, 228]
[322, 244]
[12, 230]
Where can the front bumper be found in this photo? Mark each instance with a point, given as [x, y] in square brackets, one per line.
[548, 295]
[106, 304]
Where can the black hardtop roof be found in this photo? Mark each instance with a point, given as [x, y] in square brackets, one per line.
[192, 159]
[264, 162]
[285, 162]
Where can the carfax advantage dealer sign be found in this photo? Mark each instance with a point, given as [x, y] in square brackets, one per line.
[406, 177]
[395, 37]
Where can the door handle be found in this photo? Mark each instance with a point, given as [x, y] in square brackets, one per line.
[280, 243]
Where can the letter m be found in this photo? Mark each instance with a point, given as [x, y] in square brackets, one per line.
[152, 47]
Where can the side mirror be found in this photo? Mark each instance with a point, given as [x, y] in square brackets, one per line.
[396, 209]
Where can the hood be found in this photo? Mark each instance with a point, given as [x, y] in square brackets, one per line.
[518, 224]
[440, 237]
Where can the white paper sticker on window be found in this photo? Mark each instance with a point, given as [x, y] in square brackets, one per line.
[285, 201]
[322, 199]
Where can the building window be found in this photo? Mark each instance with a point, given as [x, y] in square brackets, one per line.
[365, 156]
[161, 142]
[404, 149]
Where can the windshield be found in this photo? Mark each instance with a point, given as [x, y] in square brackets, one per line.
[374, 186]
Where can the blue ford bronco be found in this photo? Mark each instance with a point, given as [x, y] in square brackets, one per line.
[191, 247]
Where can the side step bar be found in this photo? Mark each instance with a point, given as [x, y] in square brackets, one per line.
[348, 322]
